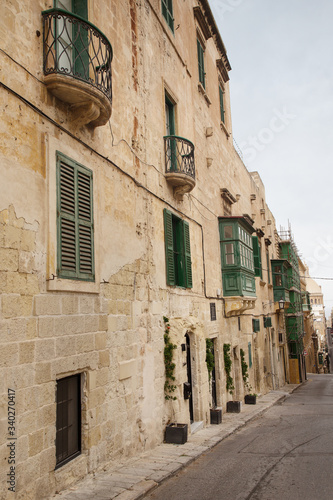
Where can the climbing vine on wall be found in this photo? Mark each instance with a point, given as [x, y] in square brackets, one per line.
[227, 366]
[170, 366]
[245, 373]
[210, 356]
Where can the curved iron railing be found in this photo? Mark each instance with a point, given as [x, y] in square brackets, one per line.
[75, 47]
[179, 155]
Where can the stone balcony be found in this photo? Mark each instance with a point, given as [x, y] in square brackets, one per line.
[179, 164]
[77, 66]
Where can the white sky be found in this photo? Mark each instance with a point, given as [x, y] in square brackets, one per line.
[281, 54]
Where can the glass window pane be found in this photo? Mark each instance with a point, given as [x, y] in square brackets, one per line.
[228, 231]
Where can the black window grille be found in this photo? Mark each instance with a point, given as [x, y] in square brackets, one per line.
[212, 311]
[68, 423]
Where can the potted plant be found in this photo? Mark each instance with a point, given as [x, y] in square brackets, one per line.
[250, 399]
[232, 406]
[215, 415]
[176, 433]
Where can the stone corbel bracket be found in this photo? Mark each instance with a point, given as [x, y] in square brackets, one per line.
[234, 306]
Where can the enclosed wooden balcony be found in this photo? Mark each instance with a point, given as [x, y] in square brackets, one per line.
[179, 164]
[77, 66]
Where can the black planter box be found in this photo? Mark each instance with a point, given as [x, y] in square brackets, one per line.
[250, 399]
[176, 433]
[216, 416]
[233, 406]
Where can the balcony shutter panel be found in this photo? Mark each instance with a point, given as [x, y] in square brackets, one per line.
[187, 251]
[169, 257]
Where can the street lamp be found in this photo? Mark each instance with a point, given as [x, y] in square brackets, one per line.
[281, 304]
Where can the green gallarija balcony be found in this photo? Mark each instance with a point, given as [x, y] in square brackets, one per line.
[77, 66]
[179, 164]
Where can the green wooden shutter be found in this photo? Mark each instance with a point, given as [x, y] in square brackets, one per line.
[85, 222]
[222, 112]
[268, 271]
[75, 241]
[256, 256]
[66, 220]
[167, 12]
[256, 325]
[80, 7]
[201, 65]
[267, 321]
[80, 39]
[169, 255]
[187, 252]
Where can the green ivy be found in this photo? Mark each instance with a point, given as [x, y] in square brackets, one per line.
[170, 366]
[210, 361]
[245, 373]
[227, 366]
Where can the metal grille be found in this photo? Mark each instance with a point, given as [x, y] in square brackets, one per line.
[179, 155]
[75, 47]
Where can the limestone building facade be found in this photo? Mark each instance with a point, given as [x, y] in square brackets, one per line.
[125, 213]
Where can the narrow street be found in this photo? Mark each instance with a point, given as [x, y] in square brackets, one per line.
[287, 453]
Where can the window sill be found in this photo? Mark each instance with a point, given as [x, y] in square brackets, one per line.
[68, 285]
[224, 128]
[203, 92]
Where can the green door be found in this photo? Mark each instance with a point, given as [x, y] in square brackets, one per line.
[72, 40]
[170, 130]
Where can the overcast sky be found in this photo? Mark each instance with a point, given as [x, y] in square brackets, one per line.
[281, 54]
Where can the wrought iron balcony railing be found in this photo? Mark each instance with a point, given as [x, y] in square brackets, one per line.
[179, 156]
[76, 48]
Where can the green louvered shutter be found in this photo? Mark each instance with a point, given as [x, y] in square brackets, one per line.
[66, 220]
[222, 112]
[75, 220]
[169, 256]
[85, 223]
[256, 257]
[187, 252]
[167, 12]
[201, 64]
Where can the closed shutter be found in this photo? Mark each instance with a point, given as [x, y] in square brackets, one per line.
[201, 65]
[85, 247]
[256, 325]
[169, 256]
[267, 321]
[66, 214]
[75, 221]
[187, 251]
[221, 104]
[167, 12]
[256, 256]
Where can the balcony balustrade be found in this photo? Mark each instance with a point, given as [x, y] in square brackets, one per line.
[77, 66]
[179, 164]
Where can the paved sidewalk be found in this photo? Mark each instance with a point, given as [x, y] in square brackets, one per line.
[133, 478]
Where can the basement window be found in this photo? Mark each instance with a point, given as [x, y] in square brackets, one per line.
[68, 423]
